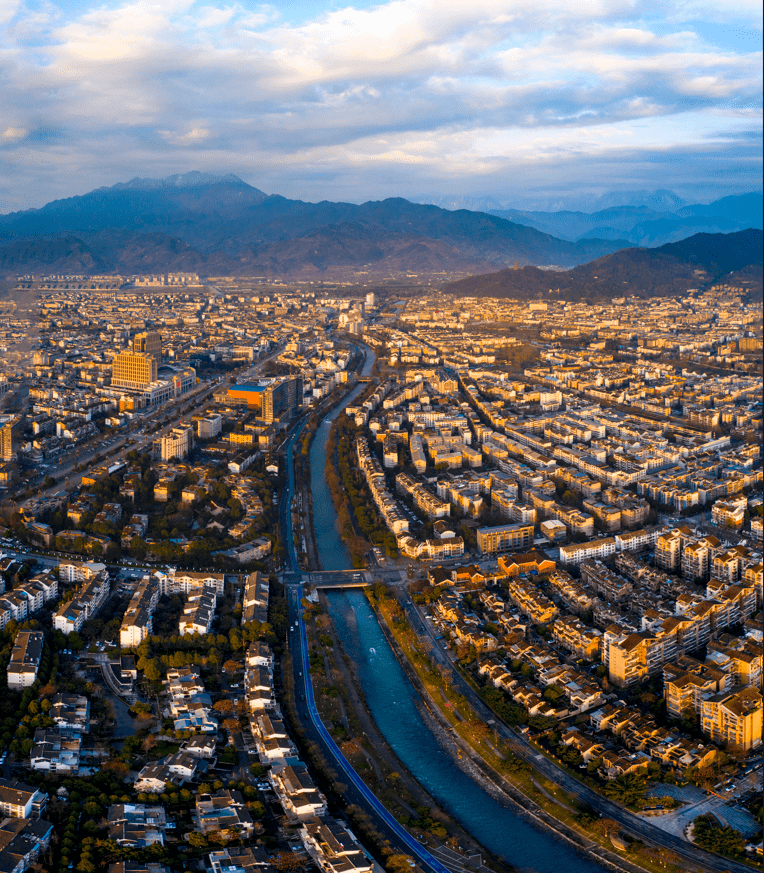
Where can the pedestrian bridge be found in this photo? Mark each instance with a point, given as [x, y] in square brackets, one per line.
[338, 578]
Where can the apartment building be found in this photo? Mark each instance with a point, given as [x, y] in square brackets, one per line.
[87, 602]
[137, 620]
[79, 571]
[25, 659]
[198, 613]
[507, 537]
[696, 560]
[209, 427]
[733, 718]
[176, 444]
[188, 582]
[742, 659]
[18, 800]
[687, 682]
[255, 599]
[631, 657]
[575, 636]
[668, 549]
[575, 553]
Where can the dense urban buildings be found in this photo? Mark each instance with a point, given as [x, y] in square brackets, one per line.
[566, 495]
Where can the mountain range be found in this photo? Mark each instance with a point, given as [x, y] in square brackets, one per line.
[734, 259]
[219, 225]
[643, 218]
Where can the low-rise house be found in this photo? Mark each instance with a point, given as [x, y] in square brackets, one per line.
[71, 712]
[200, 747]
[297, 793]
[22, 842]
[136, 825]
[333, 847]
[225, 813]
[184, 766]
[153, 778]
[238, 859]
[55, 752]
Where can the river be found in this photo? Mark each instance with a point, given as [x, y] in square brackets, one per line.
[392, 703]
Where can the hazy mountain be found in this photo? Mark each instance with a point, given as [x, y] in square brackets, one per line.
[228, 223]
[670, 269]
[643, 225]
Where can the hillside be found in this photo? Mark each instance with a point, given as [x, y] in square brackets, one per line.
[673, 268]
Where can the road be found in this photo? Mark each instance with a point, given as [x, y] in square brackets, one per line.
[356, 790]
[635, 825]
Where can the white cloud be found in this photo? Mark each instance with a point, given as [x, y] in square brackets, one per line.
[13, 134]
[406, 83]
[193, 137]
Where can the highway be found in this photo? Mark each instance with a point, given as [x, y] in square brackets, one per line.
[634, 825]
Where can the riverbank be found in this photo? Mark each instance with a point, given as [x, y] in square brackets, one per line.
[383, 770]
[553, 813]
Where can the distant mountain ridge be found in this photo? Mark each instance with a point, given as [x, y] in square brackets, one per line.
[221, 224]
[218, 224]
[702, 259]
[645, 226]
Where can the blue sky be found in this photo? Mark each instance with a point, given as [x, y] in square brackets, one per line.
[532, 102]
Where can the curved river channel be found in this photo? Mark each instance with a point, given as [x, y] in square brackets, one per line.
[392, 703]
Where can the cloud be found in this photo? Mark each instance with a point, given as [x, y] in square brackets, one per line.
[405, 84]
[193, 137]
[12, 134]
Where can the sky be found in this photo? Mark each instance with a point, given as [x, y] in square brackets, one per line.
[535, 103]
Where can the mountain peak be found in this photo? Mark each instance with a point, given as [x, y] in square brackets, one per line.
[193, 179]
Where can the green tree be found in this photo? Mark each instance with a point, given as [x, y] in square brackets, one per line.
[628, 789]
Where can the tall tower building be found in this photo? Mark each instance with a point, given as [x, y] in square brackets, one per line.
[11, 430]
[134, 370]
[149, 343]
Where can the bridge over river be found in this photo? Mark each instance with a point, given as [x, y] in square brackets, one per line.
[338, 578]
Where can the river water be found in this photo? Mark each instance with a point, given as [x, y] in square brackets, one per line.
[392, 703]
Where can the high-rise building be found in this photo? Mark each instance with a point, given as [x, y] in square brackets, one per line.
[271, 399]
[134, 370]
[149, 343]
[176, 444]
[11, 429]
[733, 718]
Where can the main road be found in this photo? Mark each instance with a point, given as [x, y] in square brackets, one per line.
[355, 789]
